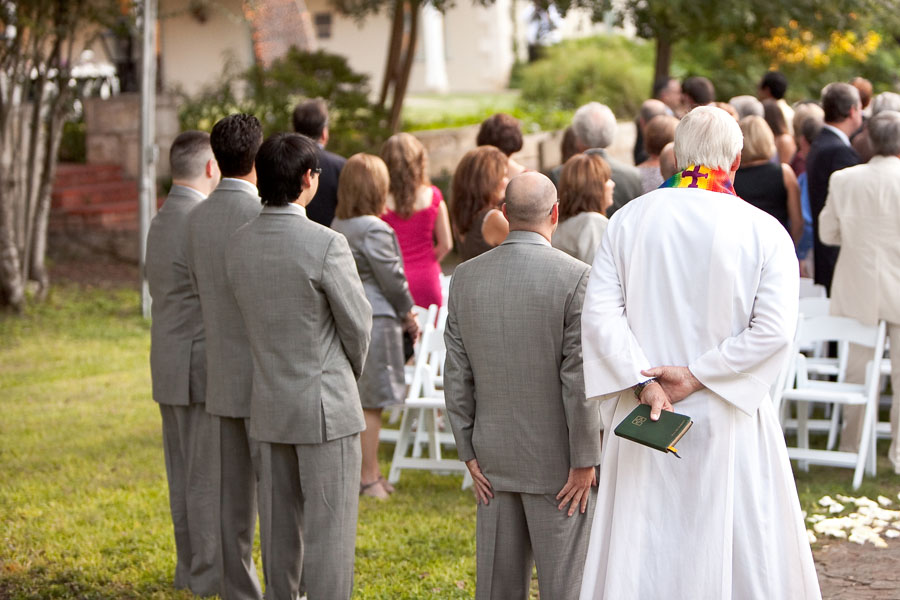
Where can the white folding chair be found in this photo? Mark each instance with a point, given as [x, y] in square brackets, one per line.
[806, 390]
[424, 315]
[419, 414]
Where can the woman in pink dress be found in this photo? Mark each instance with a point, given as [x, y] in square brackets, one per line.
[417, 213]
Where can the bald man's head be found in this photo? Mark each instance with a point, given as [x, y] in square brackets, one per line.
[529, 199]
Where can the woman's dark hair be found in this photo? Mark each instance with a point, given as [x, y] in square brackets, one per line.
[281, 163]
[774, 117]
[501, 131]
[474, 186]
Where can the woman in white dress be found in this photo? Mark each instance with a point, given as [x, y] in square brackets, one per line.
[585, 192]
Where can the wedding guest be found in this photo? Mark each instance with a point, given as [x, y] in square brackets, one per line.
[862, 215]
[659, 132]
[362, 195]
[770, 187]
[416, 211]
[747, 105]
[667, 165]
[882, 102]
[831, 151]
[477, 189]
[773, 86]
[311, 119]
[585, 192]
[785, 145]
[504, 132]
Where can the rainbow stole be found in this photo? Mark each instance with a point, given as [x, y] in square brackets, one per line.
[701, 178]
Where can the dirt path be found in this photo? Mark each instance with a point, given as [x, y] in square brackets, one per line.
[849, 571]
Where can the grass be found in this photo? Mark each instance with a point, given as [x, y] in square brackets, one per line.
[83, 499]
[438, 111]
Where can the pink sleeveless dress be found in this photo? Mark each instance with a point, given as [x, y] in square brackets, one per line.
[416, 238]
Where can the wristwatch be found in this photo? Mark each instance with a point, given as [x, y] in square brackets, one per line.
[640, 387]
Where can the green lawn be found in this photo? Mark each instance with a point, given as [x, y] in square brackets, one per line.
[83, 501]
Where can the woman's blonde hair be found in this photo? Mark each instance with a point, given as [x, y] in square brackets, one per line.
[474, 185]
[759, 141]
[582, 185]
[362, 187]
[407, 163]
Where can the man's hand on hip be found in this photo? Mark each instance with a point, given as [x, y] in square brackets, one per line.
[480, 483]
[577, 489]
[677, 382]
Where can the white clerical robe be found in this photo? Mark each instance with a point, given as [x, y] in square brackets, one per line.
[695, 278]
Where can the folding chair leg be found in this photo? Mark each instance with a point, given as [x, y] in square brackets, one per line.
[803, 432]
[420, 434]
[835, 426]
[404, 438]
[434, 446]
[865, 442]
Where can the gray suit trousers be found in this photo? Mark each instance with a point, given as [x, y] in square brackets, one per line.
[187, 443]
[237, 458]
[309, 499]
[517, 530]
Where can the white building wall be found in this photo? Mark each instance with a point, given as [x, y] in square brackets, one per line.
[194, 53]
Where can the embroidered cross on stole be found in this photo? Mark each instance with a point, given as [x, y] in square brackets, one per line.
[701, 178]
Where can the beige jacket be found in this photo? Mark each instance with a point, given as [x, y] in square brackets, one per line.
[862, 216]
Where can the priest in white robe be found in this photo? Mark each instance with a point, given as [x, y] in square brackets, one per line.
[698, 289]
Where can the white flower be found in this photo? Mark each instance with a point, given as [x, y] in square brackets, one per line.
[835, 508]
[812, 536]
[885, 502]
[892, 533]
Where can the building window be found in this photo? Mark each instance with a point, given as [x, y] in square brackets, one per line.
[323, 25]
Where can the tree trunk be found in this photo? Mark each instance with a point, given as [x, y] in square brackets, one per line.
[663, 57]
[403, 79]
[391, 68]
[12, 286]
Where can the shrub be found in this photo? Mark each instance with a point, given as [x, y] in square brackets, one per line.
[610, 69]
[355, 124]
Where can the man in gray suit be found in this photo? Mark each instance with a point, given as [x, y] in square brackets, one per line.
[514, 389]
[594, 125]
[229, 368]
[178, 366]
[308, 323]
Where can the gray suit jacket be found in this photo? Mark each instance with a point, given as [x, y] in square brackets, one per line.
[513, 378]
[627, 178]
[379, 262]
[229, 368]
[177, 353]
[309, 326]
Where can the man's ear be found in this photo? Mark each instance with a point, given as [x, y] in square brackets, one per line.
[554, 213]
[305, 181]
[736, 164]
[503, 210]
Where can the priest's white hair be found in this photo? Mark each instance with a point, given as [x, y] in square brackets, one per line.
[707, 136]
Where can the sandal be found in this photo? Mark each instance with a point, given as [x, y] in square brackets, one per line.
[386, 484]
[373, 489]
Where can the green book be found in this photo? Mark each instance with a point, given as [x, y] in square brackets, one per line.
[660, 435]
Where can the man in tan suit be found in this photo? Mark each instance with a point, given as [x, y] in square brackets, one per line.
[178, 367]
[514, 388]
[308, 325]
[862, 216]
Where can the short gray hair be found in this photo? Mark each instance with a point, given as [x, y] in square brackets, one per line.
[884, 133]
[594, 125]
[707, 136]
[529, 198]
[885, 101]
[747, 106]
[189, 154]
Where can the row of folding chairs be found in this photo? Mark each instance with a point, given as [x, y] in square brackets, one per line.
[811, 378]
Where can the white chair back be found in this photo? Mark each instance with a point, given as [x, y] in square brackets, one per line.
[810, 289]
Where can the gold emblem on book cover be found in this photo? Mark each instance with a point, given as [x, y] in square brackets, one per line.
[639, 420]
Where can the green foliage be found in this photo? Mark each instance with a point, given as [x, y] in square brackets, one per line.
[609, 69]
[356, 125]
[73, 145]
[736, 67]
